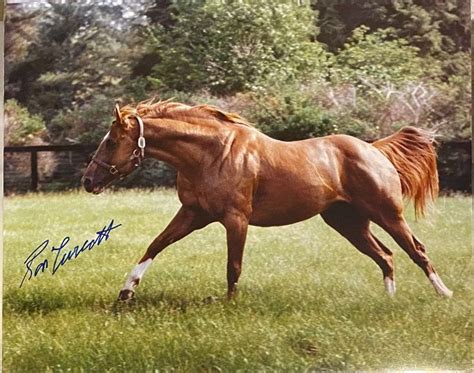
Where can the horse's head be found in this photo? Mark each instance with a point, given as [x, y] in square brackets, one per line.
[120, 152]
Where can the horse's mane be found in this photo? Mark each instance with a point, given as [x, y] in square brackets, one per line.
[178, 111]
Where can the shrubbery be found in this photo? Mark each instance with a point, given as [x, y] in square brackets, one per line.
[87, 123]
[378, 58]
[20, 126]
[237, 47]
[296, 71]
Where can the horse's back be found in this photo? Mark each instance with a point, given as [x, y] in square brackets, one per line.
[300, 179]
[281, 183]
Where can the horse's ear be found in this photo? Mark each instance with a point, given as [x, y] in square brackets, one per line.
[118, 116]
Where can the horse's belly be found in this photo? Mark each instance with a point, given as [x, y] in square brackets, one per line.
[288, 208]
[268, 219]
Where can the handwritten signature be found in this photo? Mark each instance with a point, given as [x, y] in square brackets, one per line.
[62, 255]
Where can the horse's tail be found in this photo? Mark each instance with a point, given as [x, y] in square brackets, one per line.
[412, 153]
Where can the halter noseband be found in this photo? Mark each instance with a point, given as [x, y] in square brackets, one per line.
[137, 155]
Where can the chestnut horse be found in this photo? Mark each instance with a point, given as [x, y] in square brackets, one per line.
[231, 173]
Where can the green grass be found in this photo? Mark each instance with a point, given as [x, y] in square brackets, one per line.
[308, 300]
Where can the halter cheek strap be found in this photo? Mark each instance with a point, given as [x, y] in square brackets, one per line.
[137, 155]
[141, 139]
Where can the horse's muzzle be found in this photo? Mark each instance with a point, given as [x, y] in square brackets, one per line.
[90, 187]
[87, 183]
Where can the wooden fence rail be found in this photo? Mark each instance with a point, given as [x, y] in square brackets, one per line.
[34, 149]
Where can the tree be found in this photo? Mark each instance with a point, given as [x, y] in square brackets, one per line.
[77, 64]
[21, 28]
[377, 58]
[431, 26]
[75, 55]
[236, 47]
[20, 126]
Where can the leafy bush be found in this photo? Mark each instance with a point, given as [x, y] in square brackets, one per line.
[237, 47]
[85, 124]
[377, 57]
[295, 113]
[20, 126]
[451, 111]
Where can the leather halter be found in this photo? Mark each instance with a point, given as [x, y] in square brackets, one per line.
[136, 157]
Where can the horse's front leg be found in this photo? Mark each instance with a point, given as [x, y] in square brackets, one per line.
[185, 221]
[236, 225]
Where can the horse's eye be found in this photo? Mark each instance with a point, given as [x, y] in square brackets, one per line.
[110, 144]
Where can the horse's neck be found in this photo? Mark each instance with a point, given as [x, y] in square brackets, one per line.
[184, 146]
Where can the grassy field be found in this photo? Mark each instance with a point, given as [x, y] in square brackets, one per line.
[308, 300]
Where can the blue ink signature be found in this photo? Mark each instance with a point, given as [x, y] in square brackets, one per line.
[33, 270]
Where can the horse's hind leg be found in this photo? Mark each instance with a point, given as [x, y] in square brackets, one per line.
[398, 228]
[355, 227]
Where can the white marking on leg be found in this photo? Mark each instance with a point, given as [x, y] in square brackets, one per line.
[439, 285]
[136, 275]
[390, 286]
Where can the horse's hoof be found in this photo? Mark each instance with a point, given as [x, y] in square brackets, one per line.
[390, 286]
[439, 285]
[232, 295]
[125, 295]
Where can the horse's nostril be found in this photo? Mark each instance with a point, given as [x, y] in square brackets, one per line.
[87, 182]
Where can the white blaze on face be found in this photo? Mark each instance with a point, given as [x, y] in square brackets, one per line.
[136, 275]
[107, 135]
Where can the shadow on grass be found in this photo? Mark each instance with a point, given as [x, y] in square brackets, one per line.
[165, 302]
[265, 299]
[43, 302]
